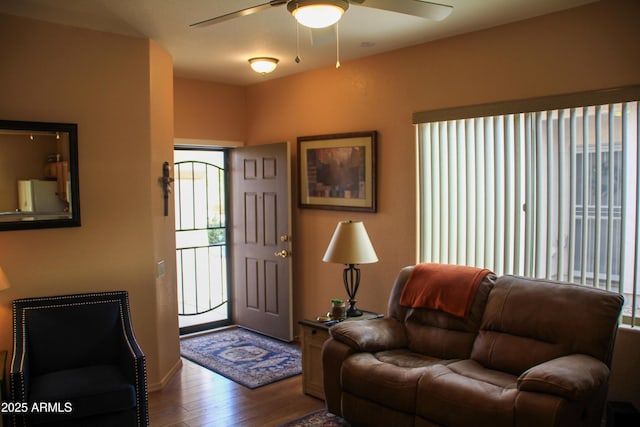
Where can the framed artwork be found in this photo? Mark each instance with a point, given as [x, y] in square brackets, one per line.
[338, 171]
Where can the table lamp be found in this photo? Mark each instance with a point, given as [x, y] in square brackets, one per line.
[350, 245]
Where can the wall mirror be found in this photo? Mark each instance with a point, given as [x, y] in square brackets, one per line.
[39, 184]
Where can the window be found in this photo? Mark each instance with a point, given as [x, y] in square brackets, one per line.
[610, 212]
[551, 193]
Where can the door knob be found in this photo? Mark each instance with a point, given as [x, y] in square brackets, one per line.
[284, 238]
[283, 253]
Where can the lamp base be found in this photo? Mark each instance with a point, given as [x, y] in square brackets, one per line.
[352, 311]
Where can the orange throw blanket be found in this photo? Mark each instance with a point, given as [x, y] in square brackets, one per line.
[445, 287]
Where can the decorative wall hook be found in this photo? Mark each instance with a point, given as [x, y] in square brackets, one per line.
[166, 181]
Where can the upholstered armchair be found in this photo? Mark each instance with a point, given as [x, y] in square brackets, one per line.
[76, 362]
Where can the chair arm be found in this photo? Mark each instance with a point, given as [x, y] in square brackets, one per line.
[371, 335]
[133, 365]
[19, 380]
[133, 362]
[130, 353]
[573, 377]
[19, 372]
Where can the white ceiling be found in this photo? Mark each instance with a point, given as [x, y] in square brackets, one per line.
[220, 52]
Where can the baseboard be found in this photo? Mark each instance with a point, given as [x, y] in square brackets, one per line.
[165, 380]
[208, 331]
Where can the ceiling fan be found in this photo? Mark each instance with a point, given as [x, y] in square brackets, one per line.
[335, 8]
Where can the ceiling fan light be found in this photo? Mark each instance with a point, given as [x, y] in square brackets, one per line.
[317, 13]
[263, 65]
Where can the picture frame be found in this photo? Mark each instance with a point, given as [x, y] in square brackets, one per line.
[338, 171]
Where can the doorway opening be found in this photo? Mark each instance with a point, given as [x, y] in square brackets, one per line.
[202, 238]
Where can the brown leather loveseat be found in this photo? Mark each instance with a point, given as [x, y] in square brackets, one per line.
[528, 353]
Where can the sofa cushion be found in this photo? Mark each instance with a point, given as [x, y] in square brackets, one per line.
[92, 390]
[383, 381]
[443, 335]
[436, 333]
[530, 321]
[464, 393]
[405, 358]
[443, 287]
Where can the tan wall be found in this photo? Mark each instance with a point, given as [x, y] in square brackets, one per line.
[592, 47]
[212, 111]
[103, 83]
[624, 385]
[161, 144]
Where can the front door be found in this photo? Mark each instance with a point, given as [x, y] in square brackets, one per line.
[261, 242]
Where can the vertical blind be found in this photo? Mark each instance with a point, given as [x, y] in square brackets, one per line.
[551, 194]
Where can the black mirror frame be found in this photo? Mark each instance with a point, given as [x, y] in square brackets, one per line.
[72, 130]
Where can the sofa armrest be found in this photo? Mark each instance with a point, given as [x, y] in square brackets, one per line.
[573, 377]
[371, 335]
[334, 353]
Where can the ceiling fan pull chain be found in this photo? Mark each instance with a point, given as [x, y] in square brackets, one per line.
[337, 45]
[297, 42]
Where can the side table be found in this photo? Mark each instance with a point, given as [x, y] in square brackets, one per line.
[314, 333]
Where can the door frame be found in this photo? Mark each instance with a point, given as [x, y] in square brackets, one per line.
[227, 147]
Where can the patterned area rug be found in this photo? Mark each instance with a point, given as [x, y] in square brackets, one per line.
[245, 357]
[319, 418]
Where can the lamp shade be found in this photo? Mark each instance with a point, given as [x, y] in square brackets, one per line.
[4, 282]
[350, 244]
[317, 13]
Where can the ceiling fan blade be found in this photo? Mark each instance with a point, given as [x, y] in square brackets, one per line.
[239, 13]
[421, 8]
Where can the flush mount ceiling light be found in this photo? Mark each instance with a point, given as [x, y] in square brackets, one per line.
[317, 13]
[263, 65]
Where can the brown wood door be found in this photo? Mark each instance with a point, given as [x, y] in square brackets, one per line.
[260, 188]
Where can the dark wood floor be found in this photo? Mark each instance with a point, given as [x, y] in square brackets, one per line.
[196, 396]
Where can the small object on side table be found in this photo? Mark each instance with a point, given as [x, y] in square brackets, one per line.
[338, 309]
